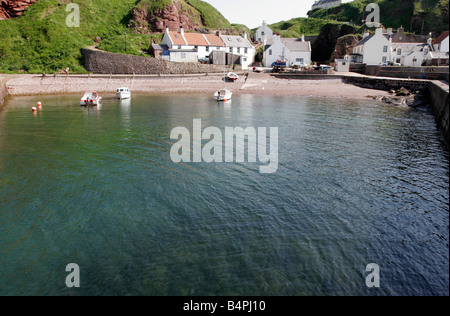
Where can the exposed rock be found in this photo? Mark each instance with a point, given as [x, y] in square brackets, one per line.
[172, 16]
[344, 46]
[13, 8]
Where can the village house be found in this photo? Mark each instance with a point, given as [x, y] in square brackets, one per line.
[385, 47]
[373, 49]
[263, 33]
[181, 46]
[240, 46]
[293, 51]
[184, 46]
[441, 44]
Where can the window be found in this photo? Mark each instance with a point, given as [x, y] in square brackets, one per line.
[238, 50]
[183, 55]
[399, 51]
[207, 48]
[299, 60]
[398, 60]
[344, 63]
[245, 59]
[270, 52]
[262, 33]
[385, 48]
[245, 50]
[425, 51]
[231, 49]
[179, 46]
[384, 59]
[196, 47]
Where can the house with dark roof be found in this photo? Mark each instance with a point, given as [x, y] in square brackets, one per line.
[375, 49]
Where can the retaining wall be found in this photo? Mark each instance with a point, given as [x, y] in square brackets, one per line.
[440, 105]
[99, 62]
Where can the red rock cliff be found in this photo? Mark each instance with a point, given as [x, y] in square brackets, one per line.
[173, 16]
[12, 8]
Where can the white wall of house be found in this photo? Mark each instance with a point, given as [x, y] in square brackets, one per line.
[276, 51]
[183, 57]
[342, 65]
[279, 51]
[443, 47]
[414, 59]
[376, 50]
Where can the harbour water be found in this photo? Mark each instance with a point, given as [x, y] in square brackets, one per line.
[358, 182]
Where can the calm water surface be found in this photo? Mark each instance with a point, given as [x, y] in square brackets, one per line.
[358, 182]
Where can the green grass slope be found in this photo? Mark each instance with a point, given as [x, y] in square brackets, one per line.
[298, 26]
[40, 41]
[432, 15]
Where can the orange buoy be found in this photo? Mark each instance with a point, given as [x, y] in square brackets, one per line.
[39, 104]
[33, 109]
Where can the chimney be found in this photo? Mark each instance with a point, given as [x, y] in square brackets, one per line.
[379, 31]
[244, 35]
[303, 37]
[181, 30]
[390, 31]
[218, 33]
[366, 34]
[167, 29]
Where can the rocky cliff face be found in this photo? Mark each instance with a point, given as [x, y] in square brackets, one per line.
[13, 8]
[172, 16]
[344, 46]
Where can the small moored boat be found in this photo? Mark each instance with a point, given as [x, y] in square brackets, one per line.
[223, 95]
[123, 93]
[90, 98]
[232, 76]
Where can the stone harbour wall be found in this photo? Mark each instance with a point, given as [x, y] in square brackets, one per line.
[99, 62]
[440, 105]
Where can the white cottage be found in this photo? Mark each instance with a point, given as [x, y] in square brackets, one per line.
[263, 33]
[441, 43]
[375, 49]
[240, 46]
[292, 50]
[183, 46]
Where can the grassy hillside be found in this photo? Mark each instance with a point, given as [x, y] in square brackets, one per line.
[412, 14]
[211, 18]
[40, 41]
[298, 26]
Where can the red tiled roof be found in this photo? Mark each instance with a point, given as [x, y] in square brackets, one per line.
[214, 40]
[177, 38]
[440, 38]
[195, 39]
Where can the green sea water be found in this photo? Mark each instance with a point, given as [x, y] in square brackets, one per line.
[358, 182]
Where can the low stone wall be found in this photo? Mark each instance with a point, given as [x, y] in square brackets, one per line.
[386, 84]
[99, 62]
[433, 73]
[440, 105]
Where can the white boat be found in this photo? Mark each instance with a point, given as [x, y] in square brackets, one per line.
[90, 98]
[223, 95]
[123, 93]
[232, 76]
